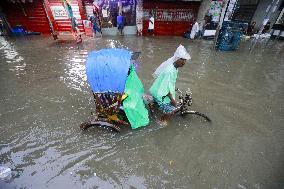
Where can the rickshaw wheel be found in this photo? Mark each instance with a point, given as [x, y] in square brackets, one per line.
[102, 124]
[183, 113]
[85, 125]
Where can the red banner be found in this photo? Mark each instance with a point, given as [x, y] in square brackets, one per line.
[171, 15]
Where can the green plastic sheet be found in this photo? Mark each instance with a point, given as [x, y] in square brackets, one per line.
[164, 84]
[133, 105]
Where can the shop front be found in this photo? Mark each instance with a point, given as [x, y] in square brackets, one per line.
[29, 14]
[42, 16]
[171, 18]
[108, 12]
[50, 16]
[58, 16]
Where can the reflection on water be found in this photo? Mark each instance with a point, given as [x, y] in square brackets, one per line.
[44, 97]
[12, 56]
[75, 69]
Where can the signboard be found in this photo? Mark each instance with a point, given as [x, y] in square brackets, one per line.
[59, 13]
[172, 15]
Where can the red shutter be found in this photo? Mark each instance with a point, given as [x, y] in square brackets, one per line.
[31, 16]
[171, 18]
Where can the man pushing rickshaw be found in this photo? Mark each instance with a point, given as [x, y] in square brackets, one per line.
[119, 93]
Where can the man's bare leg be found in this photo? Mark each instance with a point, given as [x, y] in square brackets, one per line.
[165, 117]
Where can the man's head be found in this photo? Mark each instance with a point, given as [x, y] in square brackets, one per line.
[181, 56]
[180, 63]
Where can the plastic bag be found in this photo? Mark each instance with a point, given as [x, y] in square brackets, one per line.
[133, 105]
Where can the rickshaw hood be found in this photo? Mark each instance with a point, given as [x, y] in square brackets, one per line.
[107, 70]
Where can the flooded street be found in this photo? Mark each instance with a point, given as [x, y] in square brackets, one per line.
[44, 97]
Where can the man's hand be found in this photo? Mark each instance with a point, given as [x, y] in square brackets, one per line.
[174, 103]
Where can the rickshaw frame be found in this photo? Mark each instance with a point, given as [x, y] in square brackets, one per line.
[184, 104]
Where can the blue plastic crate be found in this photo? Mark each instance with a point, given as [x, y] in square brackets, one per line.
[230, 36]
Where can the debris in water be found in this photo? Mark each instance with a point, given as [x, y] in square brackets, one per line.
[241, 186]
[5, 172]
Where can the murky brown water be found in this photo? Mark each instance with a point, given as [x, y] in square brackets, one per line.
[44, 98]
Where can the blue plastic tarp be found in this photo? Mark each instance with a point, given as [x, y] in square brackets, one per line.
[107, 70]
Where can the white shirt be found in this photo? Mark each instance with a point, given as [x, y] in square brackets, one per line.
[194, 30]
[104, 11]
[151, 25]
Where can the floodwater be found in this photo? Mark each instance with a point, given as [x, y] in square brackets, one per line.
[44, 98]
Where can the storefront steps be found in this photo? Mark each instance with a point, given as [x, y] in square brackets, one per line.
[127, 30]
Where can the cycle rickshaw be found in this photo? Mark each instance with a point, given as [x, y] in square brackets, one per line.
[119, 94]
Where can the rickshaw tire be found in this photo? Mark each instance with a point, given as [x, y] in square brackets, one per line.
[196, 113]
[85, 125]
[113, 127]
[102, 124]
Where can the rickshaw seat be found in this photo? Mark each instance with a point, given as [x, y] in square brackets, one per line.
[108, 103]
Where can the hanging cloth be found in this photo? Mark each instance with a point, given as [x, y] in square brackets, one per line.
[194, 30]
